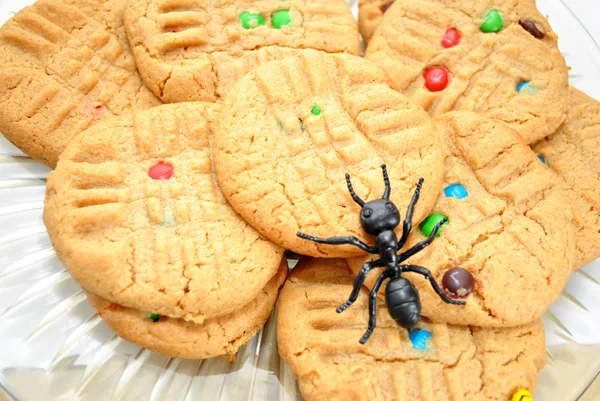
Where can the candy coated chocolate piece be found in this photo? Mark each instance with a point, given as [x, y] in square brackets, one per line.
[542, 159]
[154, 317]
[419, 338]
[522, 85]
[385, 7]
[456, 191]
[522, 395]
[281, 18]
[95, 110]
[249, 20]
[436, 79]
[161, 171]
[451, 38]
[430, 222]
[493, 22]
[458, 282]
[316, 111]
[534, 29]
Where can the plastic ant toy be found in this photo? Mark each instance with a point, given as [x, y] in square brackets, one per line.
[379, 218]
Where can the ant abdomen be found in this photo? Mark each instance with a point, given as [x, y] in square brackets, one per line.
[403, 302]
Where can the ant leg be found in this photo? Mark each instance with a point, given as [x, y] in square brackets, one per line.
[358, 282]
[423, 244]
[340, 241]
[373, 306]
[407, 226]
[427, 274]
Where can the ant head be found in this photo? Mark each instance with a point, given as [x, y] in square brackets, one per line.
[379, 215]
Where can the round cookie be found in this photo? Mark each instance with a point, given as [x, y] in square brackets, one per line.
[510, 225]
[66, 64]
[290, 131]
[180, 339]
[134, 212]
[454, 363]
[370, 14]
[195, 50]
[499, 60]
[572, 152]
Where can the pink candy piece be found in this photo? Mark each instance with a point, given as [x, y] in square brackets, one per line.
[161, 171]
[95, 110]
[451, 38]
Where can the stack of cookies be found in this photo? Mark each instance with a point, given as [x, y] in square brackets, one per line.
[194, 142]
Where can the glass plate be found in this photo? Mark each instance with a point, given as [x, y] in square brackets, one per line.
[53, 346]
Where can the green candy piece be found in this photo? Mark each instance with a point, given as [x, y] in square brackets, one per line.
[430, 222]
[316, 111]
[154, 317]
[493, 22]
[251, 20]
[281, 18]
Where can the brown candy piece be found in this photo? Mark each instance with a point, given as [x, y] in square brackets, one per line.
[385, 7]
[458, 282]
[534, 29]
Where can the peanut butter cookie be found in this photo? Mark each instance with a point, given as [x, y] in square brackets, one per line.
[66, 65]
[290, 131]
[436, 362]
[196, 50]
[510, 225]
[499, 60]
[222, 336]
[134, 212]
[370, 14]
[573, 153]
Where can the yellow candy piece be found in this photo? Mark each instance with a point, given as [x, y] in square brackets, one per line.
[522, 395]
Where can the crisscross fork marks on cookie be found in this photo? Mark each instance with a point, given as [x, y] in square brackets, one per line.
[333, 138]
[330, 364]
[307, 112]
[514, 206]
[483, 70]
[159, 244]
[64, 70]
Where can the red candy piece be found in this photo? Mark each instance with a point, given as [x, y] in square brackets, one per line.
[95, 110]
[451, 38]
[161, 171]
[436, 79]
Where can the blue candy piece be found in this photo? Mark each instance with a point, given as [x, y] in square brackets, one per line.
[542, 159]
[419, 339]
[456, 191]
[522, 85]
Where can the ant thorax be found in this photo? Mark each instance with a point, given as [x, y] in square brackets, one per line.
[387, 240]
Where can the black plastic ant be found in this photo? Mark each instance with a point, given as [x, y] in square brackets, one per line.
[379, 218]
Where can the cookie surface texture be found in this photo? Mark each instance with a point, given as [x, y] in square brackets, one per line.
[135, 214]
[513, 231]
[180, 339]
[572, 152]
[196, 50]
[291, 129]
[370, 14]
[458, 362]
[66, 65]
[493, 63]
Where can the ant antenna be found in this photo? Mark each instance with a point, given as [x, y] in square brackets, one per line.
[386, 179]
[352, 193]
